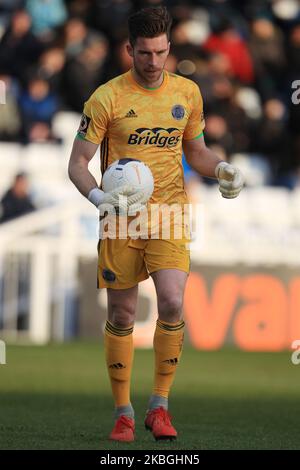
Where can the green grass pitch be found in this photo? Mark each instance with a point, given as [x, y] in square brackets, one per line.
[58, 397]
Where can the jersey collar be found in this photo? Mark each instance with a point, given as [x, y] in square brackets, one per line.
[148, 91]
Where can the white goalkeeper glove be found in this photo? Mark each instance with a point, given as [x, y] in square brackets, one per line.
[120, 198]
[230, 179]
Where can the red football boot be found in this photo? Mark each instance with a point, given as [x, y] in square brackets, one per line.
[123, 430]
[158, 421]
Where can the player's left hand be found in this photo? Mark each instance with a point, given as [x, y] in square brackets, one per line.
[132, 202]
[137, 202]
[230, 179]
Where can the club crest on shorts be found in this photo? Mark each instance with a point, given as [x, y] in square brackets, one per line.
[178, 112]
[108, 275]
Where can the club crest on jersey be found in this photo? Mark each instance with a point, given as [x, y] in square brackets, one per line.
[178, 112]
[84, 124]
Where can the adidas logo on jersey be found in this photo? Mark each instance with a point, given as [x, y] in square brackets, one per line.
[131, 113]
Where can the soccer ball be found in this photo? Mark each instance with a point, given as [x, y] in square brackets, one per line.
[129, 171]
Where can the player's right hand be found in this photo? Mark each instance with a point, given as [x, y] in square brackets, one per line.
[116, 196]
[121, 199]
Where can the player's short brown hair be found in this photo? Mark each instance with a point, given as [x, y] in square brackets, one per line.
[149, 23]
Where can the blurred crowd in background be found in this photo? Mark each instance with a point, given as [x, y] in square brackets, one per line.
[243, 55]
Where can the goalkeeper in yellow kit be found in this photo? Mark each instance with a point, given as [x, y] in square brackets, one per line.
[151, 115]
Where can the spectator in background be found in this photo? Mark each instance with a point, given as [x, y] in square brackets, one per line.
[110, 17]
[38, 106]
[293, 52]
[274, 141]
[19, 48]
[76, 37]
[16, 201]
[7, 7]
[294, 108]
[217, 133]
[294, 74]
[119, 61]
[224, 104]
[90, 63]
[226, 40]
[171, 63]
[46, 16]
[76, 45]
[267, 49]
[10, 119]
[81, 9]
[50, 68]
[215, 67]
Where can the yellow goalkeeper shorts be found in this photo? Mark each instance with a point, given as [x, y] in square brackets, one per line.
[123, 263]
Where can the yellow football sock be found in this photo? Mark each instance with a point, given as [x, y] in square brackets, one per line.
[118, 346]
[168, 340]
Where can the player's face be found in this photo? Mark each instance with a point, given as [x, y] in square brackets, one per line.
[149, 58]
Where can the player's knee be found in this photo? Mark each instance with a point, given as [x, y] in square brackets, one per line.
[122, 316]
[170, 308]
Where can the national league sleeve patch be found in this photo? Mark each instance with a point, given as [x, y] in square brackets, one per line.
[83, 126]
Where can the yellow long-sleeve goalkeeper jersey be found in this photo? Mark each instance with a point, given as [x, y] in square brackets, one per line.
[130, 121]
